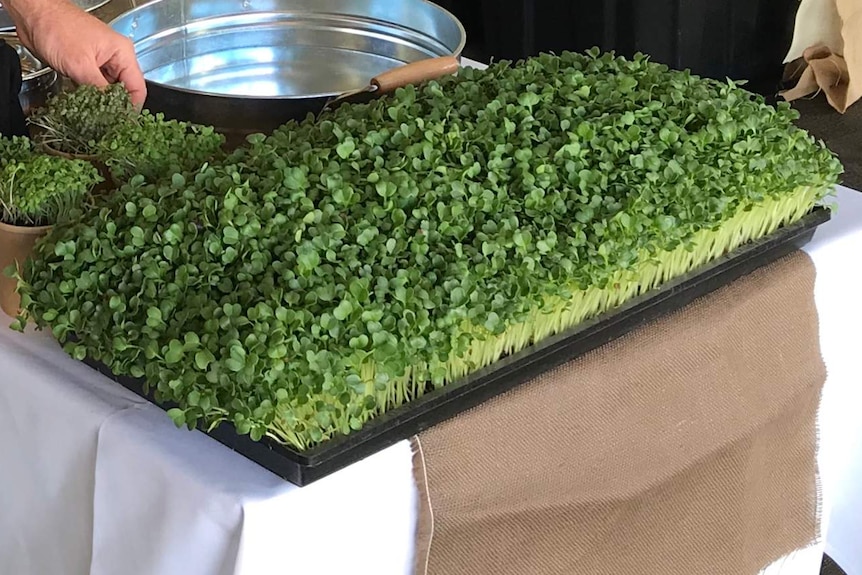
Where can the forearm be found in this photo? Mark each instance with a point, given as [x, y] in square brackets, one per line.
[29, 15]
[25, 10]
[77, 44]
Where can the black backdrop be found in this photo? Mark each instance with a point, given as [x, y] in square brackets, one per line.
[740, 39]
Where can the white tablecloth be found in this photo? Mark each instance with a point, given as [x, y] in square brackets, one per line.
[837, 253]
[94, 480]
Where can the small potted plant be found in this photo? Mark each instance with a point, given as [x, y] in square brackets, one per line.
[36, 192]
[156, 148]
[73, 123]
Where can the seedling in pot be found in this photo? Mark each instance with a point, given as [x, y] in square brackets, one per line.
[75, 122]
[37, 191]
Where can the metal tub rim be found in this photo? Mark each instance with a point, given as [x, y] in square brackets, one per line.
[126, 21]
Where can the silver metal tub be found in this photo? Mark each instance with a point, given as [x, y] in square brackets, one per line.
[38, 81]
[250, 65]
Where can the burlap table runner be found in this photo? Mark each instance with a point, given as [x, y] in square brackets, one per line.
[687, 447]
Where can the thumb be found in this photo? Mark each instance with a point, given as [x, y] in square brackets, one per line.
[134, 82]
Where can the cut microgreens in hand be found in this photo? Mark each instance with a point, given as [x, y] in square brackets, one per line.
[337, 269]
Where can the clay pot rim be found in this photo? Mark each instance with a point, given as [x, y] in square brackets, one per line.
[24, 230]
[55, 152]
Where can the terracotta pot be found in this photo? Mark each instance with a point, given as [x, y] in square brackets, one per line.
[55, 152]
[16, 245]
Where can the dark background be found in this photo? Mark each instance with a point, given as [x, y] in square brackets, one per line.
[740, 39]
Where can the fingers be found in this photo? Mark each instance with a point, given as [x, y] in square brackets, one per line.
[87, 72]
[137, 91]
[121, 68]
[84, 48]
[129, 73]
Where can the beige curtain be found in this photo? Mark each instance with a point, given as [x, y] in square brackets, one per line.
[826, 54]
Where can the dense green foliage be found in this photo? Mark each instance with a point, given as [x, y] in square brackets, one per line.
[336, 269]
[156, 148]
[75, 121]
[104, 125]
[36, 189]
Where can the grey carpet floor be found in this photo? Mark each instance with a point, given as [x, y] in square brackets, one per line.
[829, 567]
[841, 132]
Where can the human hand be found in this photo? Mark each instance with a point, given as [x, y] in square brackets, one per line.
[78, 45]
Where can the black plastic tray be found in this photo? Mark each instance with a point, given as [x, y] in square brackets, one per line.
[441, 404]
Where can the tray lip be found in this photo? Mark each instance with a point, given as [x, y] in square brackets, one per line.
[377, 434]
[141, 9]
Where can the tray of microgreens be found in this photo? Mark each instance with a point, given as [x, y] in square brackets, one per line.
[347, 281]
